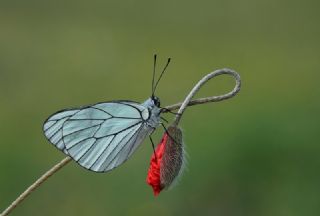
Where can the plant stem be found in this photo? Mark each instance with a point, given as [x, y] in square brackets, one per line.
[36, 184]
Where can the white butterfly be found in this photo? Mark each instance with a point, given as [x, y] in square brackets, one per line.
[102, 136]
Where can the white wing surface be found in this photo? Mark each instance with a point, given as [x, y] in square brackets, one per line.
[99, 137]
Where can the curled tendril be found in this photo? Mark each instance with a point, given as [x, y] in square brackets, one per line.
[188, 102]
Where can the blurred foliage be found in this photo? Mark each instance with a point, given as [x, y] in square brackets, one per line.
[256, 154]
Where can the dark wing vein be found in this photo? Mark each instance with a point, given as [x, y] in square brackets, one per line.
[102, 110]
[122, 130]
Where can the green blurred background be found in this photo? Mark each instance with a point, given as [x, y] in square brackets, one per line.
[256, 154]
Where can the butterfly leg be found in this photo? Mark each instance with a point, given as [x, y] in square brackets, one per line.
[164, 128]
[154, 151]
[167, 132]
[164, 119]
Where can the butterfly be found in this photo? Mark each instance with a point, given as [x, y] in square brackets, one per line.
[102, 136]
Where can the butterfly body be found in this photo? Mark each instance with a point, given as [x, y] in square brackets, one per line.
[102, 136]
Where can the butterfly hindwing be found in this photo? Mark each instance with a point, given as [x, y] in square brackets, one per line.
[99, 137]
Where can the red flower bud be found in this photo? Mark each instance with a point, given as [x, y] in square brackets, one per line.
[153, 178]
[166, 163]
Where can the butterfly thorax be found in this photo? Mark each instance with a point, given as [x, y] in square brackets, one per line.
[154, 111]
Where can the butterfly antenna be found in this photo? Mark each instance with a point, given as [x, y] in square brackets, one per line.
[154, 72]
[164, 69]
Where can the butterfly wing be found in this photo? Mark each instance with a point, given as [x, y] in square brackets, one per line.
[53, 127]
[99, 137]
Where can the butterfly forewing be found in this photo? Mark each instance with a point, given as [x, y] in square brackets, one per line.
[99, 137]
[53, 127]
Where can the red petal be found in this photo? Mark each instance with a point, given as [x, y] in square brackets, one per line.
[153, 178]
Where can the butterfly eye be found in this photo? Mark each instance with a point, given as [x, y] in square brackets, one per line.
[156, 101]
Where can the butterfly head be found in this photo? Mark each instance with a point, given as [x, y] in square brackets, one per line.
[155, 100]
[152, 102]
